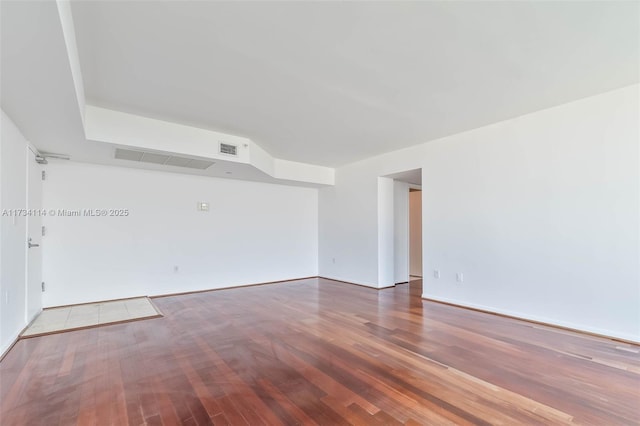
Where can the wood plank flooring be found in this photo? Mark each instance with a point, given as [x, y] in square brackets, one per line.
[319, 352]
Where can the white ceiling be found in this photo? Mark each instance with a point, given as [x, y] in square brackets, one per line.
[38, 94]
[323, 83]
[333, 82]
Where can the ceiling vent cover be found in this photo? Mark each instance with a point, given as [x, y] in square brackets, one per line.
[228, 149]
[164, 159]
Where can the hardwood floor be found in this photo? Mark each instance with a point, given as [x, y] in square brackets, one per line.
[319, 352]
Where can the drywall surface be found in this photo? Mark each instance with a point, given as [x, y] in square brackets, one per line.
[401, 231]
[124, 129]
[540, 213]
[386, 225]
[158, 242]
[13, 232]
[348, 223]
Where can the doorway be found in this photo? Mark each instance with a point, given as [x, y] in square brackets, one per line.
[407, 228]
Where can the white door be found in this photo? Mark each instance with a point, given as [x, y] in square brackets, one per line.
[34, 239]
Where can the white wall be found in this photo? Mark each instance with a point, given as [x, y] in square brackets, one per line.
[539, 212]
[13, 232]
[415, 233]
[254, 232]
[386, 234]
[348, 222]
[401, 231]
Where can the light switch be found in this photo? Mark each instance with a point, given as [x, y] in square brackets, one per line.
[203, 206]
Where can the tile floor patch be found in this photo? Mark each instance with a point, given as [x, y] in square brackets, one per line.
[68, 318]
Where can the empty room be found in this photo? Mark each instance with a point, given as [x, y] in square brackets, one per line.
[319, 212]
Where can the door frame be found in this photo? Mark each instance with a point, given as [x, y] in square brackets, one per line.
[33, 256]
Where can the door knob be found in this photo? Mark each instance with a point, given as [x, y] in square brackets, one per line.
[31, 244]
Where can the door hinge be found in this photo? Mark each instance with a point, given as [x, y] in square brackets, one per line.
[44, 175]
[43, 286]
[44, 231]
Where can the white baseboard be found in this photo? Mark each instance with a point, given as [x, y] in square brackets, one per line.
[9, 344]
[546, 321]
[16, 335]
[348, 281]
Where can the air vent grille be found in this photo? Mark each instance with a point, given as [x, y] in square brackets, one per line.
[125, 154]
[149, 157]
[228, 149]
[165, 159]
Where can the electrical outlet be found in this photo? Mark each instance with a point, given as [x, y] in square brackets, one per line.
[436, 274]
[460, 277]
